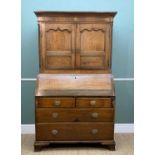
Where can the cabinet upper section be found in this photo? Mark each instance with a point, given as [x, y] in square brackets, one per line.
[75, 41]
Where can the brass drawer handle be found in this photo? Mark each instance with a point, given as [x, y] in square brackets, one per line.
[94, 115]
[75, 19]
[54, 132]
[93, 103]
[57, 103]
[54, 115]
[94, 131]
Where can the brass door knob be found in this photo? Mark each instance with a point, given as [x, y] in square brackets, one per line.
[57, 103]
[94, 115]
[54, 132]
[94, 131]
[55, 115]
[93, 103]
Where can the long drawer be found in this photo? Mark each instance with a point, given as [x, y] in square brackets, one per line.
[74, 131]
[49, 115]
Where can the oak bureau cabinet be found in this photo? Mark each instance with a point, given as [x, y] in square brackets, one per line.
[75, 92]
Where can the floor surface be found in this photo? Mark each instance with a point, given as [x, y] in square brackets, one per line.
[124, 146]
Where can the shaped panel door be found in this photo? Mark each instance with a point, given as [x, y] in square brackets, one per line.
[93, 46]
[57, 46]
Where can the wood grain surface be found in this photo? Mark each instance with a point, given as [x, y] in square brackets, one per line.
[47, 102]
[75, 94]
[49, 115]
[94, 102]
[74, 131]
[70, 41]
[74, 85]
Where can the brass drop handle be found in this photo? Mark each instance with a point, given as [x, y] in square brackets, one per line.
[54, 132]
[57, 103]
[94, 131]
[93, 103]
[55, 115]
[75, 19]
[94, 115]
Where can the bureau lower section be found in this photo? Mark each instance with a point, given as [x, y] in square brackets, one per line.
[72, 120]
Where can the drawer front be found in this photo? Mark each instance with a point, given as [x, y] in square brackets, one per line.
[46, 102]
[94, 102]
[49, 115]
[74, 131]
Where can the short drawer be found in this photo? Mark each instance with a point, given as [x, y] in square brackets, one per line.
[46, 102]
[49, 115]
[74, 131]
[94, 102]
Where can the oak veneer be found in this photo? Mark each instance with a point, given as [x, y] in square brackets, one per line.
[47, 115]
[94, 102]
[71, 131]
[75, 41]
[47, 102]
[74, 85]
[75, 92]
